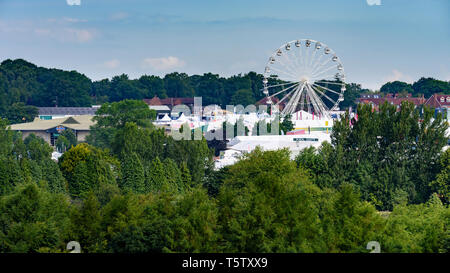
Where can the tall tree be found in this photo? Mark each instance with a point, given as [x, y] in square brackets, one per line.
[266, 205]
[396, 87]
[85, 168]
[133, 176]
[33, 220]
[113, 116]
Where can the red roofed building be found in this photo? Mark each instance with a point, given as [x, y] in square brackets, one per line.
[154, 101]
[170, 102]
[438, 101]
[376, 101]
[275, 100]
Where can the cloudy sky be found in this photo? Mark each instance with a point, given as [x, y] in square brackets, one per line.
[377, 40]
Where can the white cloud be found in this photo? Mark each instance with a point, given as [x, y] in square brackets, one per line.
[66, 34]
[73, 2]
[78, 35]
[373, 2]
[163, 63]
[397, 76]
[74, 20]
[112, 64]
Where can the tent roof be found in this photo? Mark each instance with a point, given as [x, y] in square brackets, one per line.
[165, 118]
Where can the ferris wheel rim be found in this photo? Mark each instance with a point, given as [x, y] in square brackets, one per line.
[331, 52]
[305, 86]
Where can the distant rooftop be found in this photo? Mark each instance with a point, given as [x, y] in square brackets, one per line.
[159, 107]
[76, 123]
[169, 101]
[74, 111]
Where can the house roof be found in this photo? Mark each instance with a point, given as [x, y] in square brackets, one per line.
[159, 107]
[264, 100]
[153, 101]
[165, 118]
[79, 123]
[438, 101]
[76, 111]
[393, 100]
[169, 101]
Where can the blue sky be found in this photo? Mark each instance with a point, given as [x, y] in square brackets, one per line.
[397, 40]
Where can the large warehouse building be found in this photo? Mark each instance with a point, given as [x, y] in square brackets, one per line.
[49, 130]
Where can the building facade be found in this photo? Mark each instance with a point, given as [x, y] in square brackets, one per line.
[50, 129]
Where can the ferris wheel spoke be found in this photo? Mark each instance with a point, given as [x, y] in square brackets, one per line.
[295, 98]
[323, 94]
[317, 63]
[287, 63]
[282, 84]
[329, 82]
[290, 64]
[297, 58]
[286, 67]
[332, 91]
[321, 65]
[305, 77]
[317, 74]
[333, 76]
[284, 72]
[312, 100]
[301, 100]
[286, 96]
[322, 105]
[308, 103]
[312, 59]
[284, 90]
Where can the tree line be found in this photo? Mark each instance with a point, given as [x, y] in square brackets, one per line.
[131, 188]
[24, 85]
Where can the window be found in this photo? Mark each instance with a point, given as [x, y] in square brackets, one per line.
[442, 99]
[448, 99]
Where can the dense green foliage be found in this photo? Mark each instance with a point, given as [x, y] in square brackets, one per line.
[424, 86]
[23, 84]
[113, 116]
[132, 188]
[87, 168]
[397, 87]
[265, 203]
[390, 156]
[21, 81]
[27, 161]
[66, 140]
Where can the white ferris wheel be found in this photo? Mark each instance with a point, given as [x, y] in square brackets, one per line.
[304, 75]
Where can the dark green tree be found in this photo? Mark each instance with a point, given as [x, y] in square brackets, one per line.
[19, 113]
[86, 168]
[243, 97]
[113, 116]
[266, 205]
[133, 176]
[33, 220]
[396, 87]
